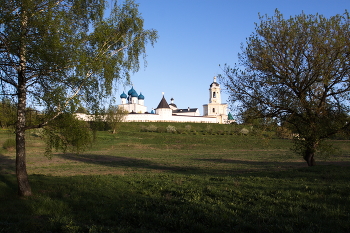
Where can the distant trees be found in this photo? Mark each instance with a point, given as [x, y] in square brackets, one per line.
[61, 53]
[296, 70]
[7, 113]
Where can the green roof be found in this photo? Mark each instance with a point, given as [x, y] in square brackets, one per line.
[229, 117]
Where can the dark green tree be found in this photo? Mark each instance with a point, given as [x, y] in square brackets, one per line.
[58, 53]
[296, 70]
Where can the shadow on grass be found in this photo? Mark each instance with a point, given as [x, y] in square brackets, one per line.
[7, 165]
[201, 167]
[127, 162]
[247, 203]
[163, 204]
[278, 163]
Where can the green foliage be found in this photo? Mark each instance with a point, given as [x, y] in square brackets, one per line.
[244, 131]
[8, 113]
[114, 116]
[67, 133]
[149, 128]
[9, 144]
[64, 54]
[171, 129]
[292, 72]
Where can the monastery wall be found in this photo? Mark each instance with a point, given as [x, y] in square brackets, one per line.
[160, 118]
[155, 118]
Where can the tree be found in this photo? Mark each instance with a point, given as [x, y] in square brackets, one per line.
[114, 116]
[296, 70]
[7, 113]
[58, 53]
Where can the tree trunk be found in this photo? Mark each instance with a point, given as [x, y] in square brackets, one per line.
[309, 158]
[309, 154]
[21, 164]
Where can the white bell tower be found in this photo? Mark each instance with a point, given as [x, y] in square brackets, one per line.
[215, 108]
[215, 93]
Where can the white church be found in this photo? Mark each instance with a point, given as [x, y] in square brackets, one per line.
[213, 112]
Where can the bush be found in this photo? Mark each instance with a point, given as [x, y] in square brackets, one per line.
[9, 144]
[150, 128]
[171, 129]
[161, 130]
[188, 127]
[244, 131]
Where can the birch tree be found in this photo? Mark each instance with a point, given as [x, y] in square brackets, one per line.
[57, 53]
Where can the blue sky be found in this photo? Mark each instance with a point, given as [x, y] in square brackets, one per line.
[195, 36]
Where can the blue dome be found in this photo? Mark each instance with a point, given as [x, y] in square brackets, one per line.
[134, 94]
[123, 96]
[131, 91]
[141, 97]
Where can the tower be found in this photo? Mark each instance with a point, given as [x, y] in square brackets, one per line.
[215, 92]
[215, 108]
[163, 109]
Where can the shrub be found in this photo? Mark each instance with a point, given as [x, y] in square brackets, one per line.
[181, 131]
[150, 128]
[209, 129]
[161, 130]
[244, 131]
[171, 129]
[9, 144]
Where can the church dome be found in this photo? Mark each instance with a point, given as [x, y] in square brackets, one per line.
[123, 96]
[131, 91]
[141, 97]
[134, 94]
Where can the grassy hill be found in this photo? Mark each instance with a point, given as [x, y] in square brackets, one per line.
[199, 178]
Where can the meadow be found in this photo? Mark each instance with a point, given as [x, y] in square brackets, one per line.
[198, 178]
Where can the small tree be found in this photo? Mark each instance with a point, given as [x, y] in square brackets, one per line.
[114, 116]
[298, 71]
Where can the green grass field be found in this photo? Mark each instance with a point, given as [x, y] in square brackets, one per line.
[205, 178]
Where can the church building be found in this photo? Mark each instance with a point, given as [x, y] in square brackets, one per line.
[133, 102]
[213, 112]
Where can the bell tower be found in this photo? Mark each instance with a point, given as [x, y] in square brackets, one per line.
[215, 108]
[215, 92]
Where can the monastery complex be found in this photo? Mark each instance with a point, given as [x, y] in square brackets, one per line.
[213, 112]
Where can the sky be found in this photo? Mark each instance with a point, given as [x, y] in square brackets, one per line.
[196, 36]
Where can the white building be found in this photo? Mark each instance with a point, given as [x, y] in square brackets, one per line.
[214, 112]
[133, 102]
[215, 108]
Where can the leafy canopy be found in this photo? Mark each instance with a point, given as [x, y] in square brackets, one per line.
[298, 71]
[68, 51]
[60, 54]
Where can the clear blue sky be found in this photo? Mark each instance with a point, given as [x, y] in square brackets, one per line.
[195, 36]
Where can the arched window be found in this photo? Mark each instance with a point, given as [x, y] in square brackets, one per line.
[214, 94]
[213, 109]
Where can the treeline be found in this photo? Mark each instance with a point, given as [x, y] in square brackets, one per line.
[8, 114]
